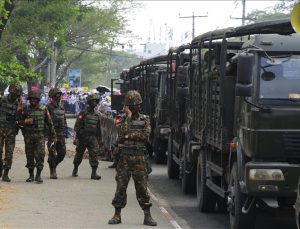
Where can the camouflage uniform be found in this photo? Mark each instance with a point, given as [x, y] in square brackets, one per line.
[88, 134]
[8, 128]
[34, 135]
[57, 152]
[134, 131]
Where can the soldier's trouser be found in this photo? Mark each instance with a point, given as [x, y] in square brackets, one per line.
[58, 154]
[131, 166]
[90, 143]
[35, 151]
[7, 141]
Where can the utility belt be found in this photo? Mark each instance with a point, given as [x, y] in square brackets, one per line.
[132, 151]
[133, 143]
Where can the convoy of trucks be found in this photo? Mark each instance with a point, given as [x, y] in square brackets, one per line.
[225, 117]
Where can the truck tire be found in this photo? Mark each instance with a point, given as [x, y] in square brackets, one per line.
[173, 167]
[160, 148]
[188, 179]
[238, 220]
[206, 198]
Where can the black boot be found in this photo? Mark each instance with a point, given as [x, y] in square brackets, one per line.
[38, 178]
[53, 174]
[116, 219]
[5, 175]
[31, 175]
[75, 171]
[94, 175]
[148, 220]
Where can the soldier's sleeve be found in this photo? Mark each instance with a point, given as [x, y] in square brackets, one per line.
[124, 126]
[141, 135]
[49, 123]
[79, 122]
[99, 134]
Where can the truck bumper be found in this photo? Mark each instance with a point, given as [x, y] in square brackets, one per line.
[271, 179]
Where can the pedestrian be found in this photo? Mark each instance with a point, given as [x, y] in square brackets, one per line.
[9, 106]
[36, 120]
[88, 135]
[57, 152]
[134, 132]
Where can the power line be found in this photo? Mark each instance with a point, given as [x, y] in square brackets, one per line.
[193, 21]
[230, 15]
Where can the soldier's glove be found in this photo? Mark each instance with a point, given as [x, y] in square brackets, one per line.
[75, 142]
[28, 121]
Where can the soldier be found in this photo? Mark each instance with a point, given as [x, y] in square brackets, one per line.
[134, 131]
[34, 118]
[57, 152]
[8, 128]
[88, 133]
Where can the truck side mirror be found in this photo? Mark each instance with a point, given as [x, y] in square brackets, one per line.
[244, 75]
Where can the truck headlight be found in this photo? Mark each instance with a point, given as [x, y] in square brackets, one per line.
[266, 174]
[164, 130]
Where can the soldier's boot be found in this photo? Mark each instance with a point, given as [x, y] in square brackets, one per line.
[148, 220]
[94, 175]
[53, 174]
[116, 219]
[38, 179]
[31, 175]
[75, 171]
[5, 175]
[1, 169]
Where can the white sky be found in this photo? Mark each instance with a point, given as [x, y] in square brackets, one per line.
[155, 16]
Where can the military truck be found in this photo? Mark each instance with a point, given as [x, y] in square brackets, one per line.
[297, 207]
[244, 132]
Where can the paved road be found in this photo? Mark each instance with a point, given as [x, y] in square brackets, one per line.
[69, 202]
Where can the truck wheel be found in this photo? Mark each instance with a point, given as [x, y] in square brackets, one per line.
[206, 198]
[173, 167]
[238, 220]
[188, 180]
[160, 148]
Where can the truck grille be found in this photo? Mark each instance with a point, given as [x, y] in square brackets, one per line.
[291, 144]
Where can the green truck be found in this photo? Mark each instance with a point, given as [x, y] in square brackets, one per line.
[241, 135]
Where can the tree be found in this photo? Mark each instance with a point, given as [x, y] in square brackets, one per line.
[279, 11]
[60, 31]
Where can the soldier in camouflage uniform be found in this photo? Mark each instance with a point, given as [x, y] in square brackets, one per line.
[88, 134]
[134, 131]
[9, 106]
[36, 120]
[57, 152]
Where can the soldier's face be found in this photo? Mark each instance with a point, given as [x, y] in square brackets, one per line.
[93, 103]
[14, 96]
[57, 97]
[33, 102]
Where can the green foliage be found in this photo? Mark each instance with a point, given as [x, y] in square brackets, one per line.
[14, 72]
[280, 11]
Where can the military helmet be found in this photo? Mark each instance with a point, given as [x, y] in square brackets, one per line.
[132, 98]
[34, 95]
[15, 89]
[92, 97]
[53, 92]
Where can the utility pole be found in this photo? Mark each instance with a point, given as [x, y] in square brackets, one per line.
[193, 21]
[243, 13]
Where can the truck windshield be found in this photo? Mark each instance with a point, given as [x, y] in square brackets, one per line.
[280, 78]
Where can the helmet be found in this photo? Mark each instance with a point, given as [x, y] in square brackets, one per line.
[34, 95]
[132, 98]
[15, 89]
[92, 97]
[53, 92]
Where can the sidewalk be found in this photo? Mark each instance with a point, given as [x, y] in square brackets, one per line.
[67, 202]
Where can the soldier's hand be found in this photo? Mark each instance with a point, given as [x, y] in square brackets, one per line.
[28, 121]
[127, 111]
[54, 140]
[75, 142]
